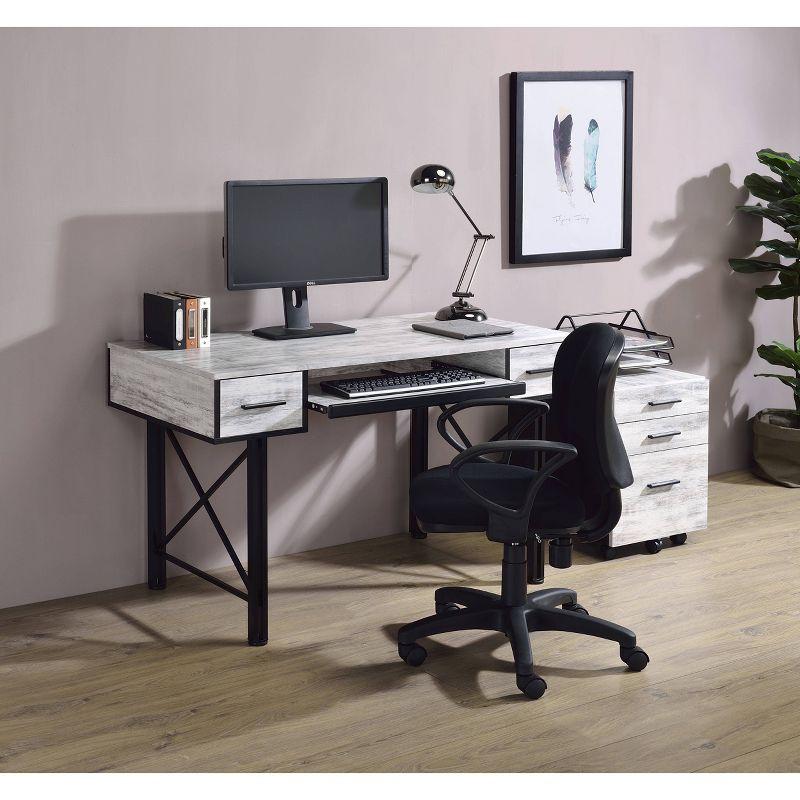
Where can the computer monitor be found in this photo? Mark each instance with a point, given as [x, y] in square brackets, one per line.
[295, 234]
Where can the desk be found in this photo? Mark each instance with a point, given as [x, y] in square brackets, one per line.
[244, 388]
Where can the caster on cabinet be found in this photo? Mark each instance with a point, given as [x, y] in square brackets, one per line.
[653, 546]
[678, 538]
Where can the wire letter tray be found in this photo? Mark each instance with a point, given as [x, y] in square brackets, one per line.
[644, 349]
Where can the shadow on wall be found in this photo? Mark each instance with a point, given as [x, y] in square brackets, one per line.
[706, 310]
[73, 503]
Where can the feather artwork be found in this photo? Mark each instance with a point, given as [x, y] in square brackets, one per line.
[590, 145]
[562, 145]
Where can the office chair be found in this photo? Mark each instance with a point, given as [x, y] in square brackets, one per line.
[574, 494]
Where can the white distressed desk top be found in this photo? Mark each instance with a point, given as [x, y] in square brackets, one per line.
[377, 339]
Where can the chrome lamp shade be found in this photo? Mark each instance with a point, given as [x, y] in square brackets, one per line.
[432, 179]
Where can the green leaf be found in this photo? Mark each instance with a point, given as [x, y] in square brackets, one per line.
[789, 276]
[780, 355]
[770, 213]
[776, 292]
[780, 163]
[750, 265]
[767, 188]
[792, 383]
[784, 210]
[788, 249]
[789, 206]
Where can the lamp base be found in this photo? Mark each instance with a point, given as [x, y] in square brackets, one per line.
[462, 310]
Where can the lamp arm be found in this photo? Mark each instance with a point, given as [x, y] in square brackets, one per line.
[471, 264]
[478, 243]
[464, 212]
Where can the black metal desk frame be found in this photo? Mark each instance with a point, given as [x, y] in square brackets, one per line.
[254, 577]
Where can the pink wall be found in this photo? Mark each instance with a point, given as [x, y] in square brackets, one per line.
[114, 145]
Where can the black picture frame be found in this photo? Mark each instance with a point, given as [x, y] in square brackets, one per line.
[517, 81]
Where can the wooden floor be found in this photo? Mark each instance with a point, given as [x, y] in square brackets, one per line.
[136, 680]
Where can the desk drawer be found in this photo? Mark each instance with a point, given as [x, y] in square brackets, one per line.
[539, 358]
[664, 433]
[669, 495]
[260, 404]
[647, 395]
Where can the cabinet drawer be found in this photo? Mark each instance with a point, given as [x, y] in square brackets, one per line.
[260, 404]
[669, 495]
[646, 395]
[664, 433]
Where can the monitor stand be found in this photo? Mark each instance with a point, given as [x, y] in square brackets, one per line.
[295, 312]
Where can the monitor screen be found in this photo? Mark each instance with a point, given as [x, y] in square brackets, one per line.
[288, 233]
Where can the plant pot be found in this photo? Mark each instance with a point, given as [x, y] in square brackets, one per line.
[776, 446]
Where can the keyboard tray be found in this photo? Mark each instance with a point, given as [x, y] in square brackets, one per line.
[335, 407]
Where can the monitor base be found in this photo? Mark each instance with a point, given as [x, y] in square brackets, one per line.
[317, 329]
[295, 314]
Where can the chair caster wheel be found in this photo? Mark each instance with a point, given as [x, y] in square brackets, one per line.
[678, 538]
[653, 546]
[531, 686]
[575, 607]
[447, 608]
[412, 654]
[634, 657]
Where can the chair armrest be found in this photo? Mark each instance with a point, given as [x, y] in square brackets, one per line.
[536, 408]
[561, 454]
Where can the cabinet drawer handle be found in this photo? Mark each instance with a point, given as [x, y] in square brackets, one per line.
[663, 435]
[268, 404]
[538, 370]
[664, 402]
[659, 484]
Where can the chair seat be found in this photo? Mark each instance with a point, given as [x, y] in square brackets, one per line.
[438, 499]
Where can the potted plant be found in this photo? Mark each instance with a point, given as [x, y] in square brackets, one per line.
[776, 432]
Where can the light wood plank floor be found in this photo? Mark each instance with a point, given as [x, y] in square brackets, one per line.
[136, 680]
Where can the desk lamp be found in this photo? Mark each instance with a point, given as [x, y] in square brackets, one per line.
[436, 179]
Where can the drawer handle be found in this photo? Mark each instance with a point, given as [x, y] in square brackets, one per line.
[268, 404]
[538, 370]
[660, 484]
[664, 402]
[663, 435]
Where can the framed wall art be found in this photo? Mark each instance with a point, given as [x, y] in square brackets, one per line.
[571, 154]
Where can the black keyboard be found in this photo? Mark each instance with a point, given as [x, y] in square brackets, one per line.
[393, 383]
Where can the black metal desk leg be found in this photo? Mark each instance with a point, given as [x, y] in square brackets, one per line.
[257, 541]
[419, 458]
[156, 506]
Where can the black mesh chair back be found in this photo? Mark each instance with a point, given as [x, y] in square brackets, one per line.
[582, 414]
